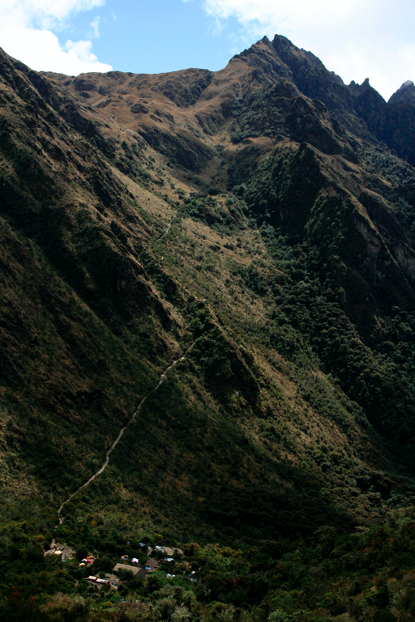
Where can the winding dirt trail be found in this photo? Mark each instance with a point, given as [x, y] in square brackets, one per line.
[169, 225]
[117, 440]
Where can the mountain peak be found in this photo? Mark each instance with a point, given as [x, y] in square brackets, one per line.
[405, 93]
[358, 89]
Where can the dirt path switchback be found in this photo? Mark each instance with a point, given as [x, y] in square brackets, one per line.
[117, 440]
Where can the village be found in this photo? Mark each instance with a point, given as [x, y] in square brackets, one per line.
[121, 570]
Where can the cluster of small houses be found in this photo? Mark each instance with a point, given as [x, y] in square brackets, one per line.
[62, 551]
[152, 565]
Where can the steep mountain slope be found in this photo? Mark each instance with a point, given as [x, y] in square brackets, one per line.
[249, 217]
[254, 114]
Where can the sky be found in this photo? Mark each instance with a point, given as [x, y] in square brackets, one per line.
[357, 39]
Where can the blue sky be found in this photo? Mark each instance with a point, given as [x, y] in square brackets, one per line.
[355, 38]
[154, 36]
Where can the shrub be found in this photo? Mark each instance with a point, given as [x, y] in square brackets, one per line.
[104, 564]
[82, 552]
[125, 575]
[152, 583]
[166, 607]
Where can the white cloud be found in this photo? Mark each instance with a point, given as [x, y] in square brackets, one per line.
[95, 27]
[354, 38]
[26, 34]
[386, 69]
[289, 14]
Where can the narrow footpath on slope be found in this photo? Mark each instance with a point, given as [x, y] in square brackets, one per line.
[117, 440]
[168, 226]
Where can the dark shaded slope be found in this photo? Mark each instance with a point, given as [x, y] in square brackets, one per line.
[392, 123]
[72, 285]
[313, 79]
[281, 59]
[354, 263]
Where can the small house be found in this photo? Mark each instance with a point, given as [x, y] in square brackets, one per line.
[138, 573]
[152, 565]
